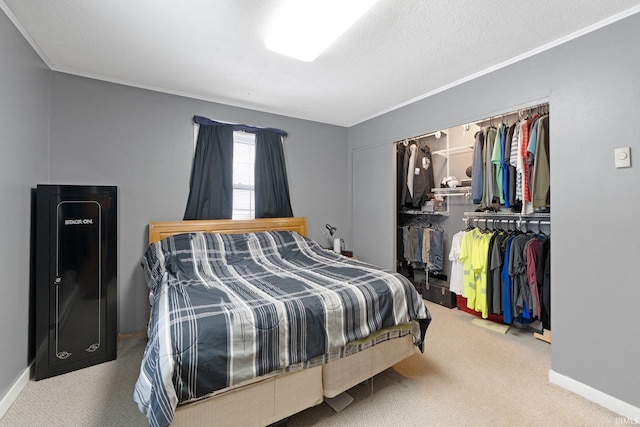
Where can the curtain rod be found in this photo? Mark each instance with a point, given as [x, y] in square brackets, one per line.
[208, 122]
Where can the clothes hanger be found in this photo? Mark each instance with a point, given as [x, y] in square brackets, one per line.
[540, 229]
[469, 224]
[526, 226]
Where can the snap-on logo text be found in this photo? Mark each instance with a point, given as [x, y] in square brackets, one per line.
[78, 221]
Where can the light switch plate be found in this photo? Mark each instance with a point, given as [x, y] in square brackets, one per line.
[622, 157]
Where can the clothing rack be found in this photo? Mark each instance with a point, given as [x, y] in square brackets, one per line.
[542, 109]
[509, 221]
[493, 220]
[437, 134]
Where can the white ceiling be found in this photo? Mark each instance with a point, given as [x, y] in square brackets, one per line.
[400, 51]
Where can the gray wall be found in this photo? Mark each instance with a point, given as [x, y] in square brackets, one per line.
[142, 141]
[24, 145]
[593, 88]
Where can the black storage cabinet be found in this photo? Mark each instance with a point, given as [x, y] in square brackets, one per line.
[76, 277]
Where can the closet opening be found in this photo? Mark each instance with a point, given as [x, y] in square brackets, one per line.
[461, 192]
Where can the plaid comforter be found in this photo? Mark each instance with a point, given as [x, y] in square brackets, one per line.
[226, 308]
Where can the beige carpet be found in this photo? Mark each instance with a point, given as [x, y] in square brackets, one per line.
[97, 396]
[468, 376]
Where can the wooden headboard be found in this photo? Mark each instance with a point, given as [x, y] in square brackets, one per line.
[158, 230]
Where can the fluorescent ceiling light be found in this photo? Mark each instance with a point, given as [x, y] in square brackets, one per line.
[305, 28]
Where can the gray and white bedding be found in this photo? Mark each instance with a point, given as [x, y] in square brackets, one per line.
[226, 308]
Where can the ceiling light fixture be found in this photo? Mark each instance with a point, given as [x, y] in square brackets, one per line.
[305, 28]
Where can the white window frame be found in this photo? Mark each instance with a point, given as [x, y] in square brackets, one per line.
[244, 138]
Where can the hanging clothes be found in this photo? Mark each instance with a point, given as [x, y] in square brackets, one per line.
[422, 178]
[513, 165]
[411, 169]
[414, 175]
[526, 196]
[509, 179]
[474, 256]
[520, 293]
[477, 179]
[496, 160]
[533, 251]
[436, 250]
[401, 174]
[507, 284]
[456, 279]
[541, 171]
[412, 243]
[501, 161]
[544, 276]
[494, 287]
[489, 189]
[514, 158]
[503, 273]
[423, 246]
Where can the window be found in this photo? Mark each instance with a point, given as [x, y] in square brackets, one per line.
[244, 151]
[222, 182]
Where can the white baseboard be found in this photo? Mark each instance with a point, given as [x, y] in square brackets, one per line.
[14, 391]
[618, 406]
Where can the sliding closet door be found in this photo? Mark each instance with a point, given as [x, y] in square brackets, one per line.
[373, 205]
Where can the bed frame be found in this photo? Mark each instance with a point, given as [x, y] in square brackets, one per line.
[269, 399]
[158, 230]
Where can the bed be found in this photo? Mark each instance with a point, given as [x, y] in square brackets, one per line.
[251, 322]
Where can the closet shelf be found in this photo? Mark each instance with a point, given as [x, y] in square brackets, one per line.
[453, 191]
[420, 212]
[508, 215]
[453, 150]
